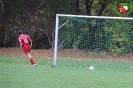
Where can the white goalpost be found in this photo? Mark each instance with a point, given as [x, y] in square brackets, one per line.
[81, 38]
[56, 38]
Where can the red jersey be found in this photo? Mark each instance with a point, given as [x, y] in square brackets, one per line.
[25, 41]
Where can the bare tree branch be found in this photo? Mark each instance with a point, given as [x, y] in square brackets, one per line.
[2, 6]
[49, 40]
[77, 6]
[88, 6]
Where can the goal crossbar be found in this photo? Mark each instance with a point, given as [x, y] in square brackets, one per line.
[100, 17]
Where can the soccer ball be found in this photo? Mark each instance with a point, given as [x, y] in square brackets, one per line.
[91, 68]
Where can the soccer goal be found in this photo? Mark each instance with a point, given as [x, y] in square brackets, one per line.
[93, 38]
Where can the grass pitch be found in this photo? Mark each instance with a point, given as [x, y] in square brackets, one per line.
[15, 72]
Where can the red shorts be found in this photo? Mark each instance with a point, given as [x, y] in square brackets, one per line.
[26, 49]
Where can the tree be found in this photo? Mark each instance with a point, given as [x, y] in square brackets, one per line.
[2, 7]
[88, 6]
[77, 6]
[39, 15]
[14, 16]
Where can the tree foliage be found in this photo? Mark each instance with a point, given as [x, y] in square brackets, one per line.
[37, 18]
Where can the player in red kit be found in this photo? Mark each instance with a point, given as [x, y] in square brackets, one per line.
[26, 44]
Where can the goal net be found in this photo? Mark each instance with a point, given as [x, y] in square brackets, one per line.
[86, 39]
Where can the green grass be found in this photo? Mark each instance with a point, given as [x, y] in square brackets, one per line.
[17, 73]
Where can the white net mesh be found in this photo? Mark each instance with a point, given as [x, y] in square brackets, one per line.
[94, 39]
